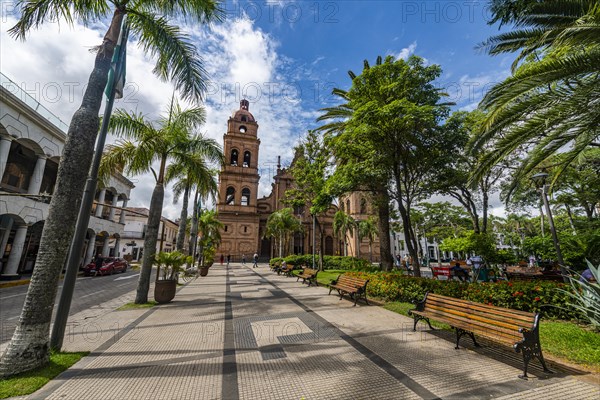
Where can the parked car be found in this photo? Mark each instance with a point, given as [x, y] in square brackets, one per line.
[110, 265]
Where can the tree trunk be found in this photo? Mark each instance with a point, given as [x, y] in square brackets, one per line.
[383, 224]
[183, 220]
[194, 229]
[29, 346]
[484, 212]
[154, 215]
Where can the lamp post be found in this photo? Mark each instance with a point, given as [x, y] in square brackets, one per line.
[539, 180]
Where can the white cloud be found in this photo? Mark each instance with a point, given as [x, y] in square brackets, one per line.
[407, 51]
[240, 58]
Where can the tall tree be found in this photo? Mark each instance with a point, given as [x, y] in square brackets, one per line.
[177, 61]
[343, 226]
[310, 170]
[190, 176]
[395, 112]
[356, 168]
[281, 225]
[555, 83]
[368, 229]
[169, 139]
[453, 178]
[209, 230]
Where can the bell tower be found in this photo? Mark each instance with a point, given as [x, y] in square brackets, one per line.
[238, 186]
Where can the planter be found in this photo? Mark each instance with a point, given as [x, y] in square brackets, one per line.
[204, 269]
[164, 290]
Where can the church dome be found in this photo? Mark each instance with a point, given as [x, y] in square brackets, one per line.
[243, 114]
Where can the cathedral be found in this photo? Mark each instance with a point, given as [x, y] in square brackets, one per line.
[244, 215]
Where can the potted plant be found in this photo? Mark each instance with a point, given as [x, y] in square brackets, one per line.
[208, 258]
[168, 267]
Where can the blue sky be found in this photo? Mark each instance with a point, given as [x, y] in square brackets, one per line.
[284, 56]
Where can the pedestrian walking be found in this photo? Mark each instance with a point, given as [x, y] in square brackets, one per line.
[255, 261]
[228, 259]
[243, 259]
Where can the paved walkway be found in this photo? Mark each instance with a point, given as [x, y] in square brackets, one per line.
[243, 333]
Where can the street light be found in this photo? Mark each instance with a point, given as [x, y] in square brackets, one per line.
[539, 180]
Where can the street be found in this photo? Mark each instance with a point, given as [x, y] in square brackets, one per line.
[89, 291]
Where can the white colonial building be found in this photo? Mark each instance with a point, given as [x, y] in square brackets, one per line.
[31, 144]
[136, 223]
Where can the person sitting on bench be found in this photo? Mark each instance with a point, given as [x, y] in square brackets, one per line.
[460, 272]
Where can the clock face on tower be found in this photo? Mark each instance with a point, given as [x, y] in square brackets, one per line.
[242, 129]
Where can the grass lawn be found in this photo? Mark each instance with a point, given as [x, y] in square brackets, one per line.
[29, 382]
[324, 278]
[562, 339]
[133, 306]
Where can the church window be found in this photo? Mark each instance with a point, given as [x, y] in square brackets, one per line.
[245, 229]
[245, 197]
[342, 206]
[247, 158]
[348, 206]
[234, 157]
[225, 228]
[230, 196]
[363, 205]
[244, 118]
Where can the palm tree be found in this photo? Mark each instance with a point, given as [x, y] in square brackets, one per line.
[177, 60]
[197, 175]
[550, 103]
[342, 227]
[281, 225]
[209, 229]
[368, 229]
[167, 140]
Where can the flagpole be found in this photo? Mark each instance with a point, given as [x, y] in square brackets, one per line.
[83, 219]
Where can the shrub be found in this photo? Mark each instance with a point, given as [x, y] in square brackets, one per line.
[545, 296]
[329, 262]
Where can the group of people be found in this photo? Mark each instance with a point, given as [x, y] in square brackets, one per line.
[228, 258]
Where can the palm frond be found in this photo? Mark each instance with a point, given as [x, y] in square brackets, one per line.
[177, 58]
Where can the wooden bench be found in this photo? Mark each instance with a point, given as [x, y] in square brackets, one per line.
[308, 275]
[519, 329]
[288, 270]
[355, 287]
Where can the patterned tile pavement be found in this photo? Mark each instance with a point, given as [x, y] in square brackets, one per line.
[243, 333]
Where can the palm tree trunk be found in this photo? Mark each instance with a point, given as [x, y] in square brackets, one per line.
[29, 347]
[194, 228]
[183, 220]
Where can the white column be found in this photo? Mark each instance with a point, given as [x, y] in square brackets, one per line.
[117, 247]
[89, 254]
[122, 217]
[7, 227]
[99, 206]
[38, 174]
[5, 142]
[105, 247]
[111, 215]
[16, 251]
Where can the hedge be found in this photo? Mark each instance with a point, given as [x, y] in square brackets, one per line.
[532, 296]
[329, 262]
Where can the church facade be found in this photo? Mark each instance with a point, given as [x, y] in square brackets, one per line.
[244, 215]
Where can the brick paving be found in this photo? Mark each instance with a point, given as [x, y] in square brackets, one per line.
[243, 333]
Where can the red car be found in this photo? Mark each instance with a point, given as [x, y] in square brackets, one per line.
[110, 265]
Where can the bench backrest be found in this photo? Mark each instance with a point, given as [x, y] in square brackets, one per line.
[347, 280]
[499, 322]
[310, 271]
